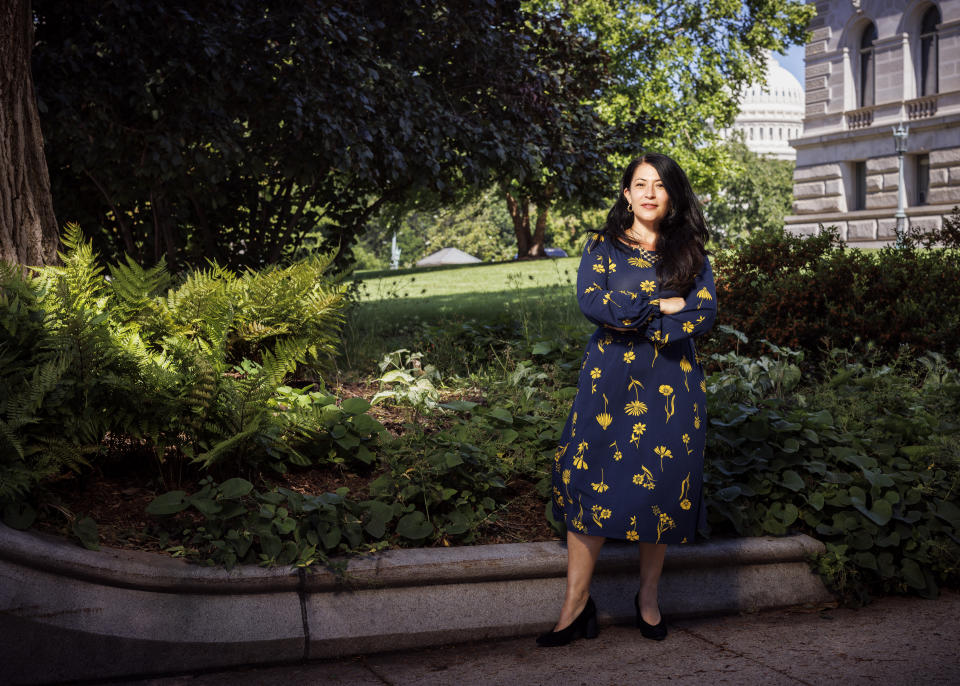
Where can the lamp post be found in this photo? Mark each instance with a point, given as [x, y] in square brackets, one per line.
[900, 142]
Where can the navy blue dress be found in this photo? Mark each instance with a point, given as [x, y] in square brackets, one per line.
[630, 460]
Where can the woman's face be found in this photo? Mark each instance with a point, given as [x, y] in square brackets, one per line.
[647, 195]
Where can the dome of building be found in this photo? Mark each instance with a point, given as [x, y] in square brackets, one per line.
[771, 113]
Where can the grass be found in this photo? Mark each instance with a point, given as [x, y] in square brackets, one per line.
[391, 308]
[466, 279]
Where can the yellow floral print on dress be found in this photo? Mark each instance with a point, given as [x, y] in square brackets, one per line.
[598, 267]
[578, 460]
[629, 356]
[617, 455]
[645, 479]
[600, 487]
[667, 390]
[639, 262]
[659, 340]
[648, 286]
[632, 534]
[685, 503]
[638, 430]
[688, 327]
[663, 451]
[664, 522]
[703, 294]
[686, 368]
[604, 419]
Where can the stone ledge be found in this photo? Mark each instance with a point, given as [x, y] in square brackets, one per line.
[80, 614]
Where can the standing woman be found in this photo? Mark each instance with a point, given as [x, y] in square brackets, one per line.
[630, 460]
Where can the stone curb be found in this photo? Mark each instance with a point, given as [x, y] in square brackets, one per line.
[80, 614]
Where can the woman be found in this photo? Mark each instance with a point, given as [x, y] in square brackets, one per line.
[630, 460]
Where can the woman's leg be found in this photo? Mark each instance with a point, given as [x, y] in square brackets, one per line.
[651, 564]
[582, 553]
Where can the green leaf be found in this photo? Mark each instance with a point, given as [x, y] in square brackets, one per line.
[19, 515]
[912, 574]
[728, 494]
[502, 415]
[816, 500]
[355, 406]
[791, 445]
[509, 436]
[792, 480]
[542, 348]
[459, 405]
[168, 503]
[86, 530]
[235, 488]
[879, 514]
[414, 526]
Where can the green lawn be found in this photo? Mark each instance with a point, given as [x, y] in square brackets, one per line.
[467, 278]
[538, 296]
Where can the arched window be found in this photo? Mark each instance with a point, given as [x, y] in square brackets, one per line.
[928, 52]
[867, 62]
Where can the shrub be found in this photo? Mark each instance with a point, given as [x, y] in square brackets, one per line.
[197, 370]
[814, 293]
[866, 461]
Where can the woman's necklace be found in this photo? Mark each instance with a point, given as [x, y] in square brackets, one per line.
[645, 245]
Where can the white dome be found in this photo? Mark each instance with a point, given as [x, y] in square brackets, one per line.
[771, 113]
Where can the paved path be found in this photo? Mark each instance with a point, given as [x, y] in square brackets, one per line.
[894, 640]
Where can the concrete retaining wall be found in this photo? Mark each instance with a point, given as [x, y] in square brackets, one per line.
[67, 613]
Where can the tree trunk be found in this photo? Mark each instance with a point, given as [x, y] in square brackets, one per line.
[28, 228]
[520, 214]
[539, 234]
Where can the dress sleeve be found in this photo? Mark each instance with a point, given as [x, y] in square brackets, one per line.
[697, 316]
[602, 306]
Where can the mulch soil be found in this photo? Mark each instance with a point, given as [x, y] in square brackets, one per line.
[115, 495]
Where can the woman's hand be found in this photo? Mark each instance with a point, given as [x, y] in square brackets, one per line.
[672, 305]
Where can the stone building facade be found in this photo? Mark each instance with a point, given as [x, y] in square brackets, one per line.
[870, 65]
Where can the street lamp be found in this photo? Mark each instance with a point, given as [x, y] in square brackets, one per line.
[900, 141]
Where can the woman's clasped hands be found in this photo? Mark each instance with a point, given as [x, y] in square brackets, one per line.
[667, 306]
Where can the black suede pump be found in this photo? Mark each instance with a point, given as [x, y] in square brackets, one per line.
[584, 625]
[657, 631]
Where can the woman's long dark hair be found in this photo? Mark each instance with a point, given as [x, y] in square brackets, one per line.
[683, 232]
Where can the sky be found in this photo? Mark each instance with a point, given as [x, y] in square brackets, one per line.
[793, 61]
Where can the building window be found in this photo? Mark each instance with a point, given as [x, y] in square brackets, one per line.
[928, 52]
[761, 133]
[867, 62]
[771, 133]
[859, 185]
[923, 178]
[780, 133]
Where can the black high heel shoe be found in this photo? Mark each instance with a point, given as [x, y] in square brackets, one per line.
[657, 631]
[584, 625]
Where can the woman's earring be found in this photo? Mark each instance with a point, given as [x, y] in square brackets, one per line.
[629, 207]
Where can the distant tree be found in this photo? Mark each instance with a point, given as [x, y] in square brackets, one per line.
[755, 194]
[675, 70]
[28, 227]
